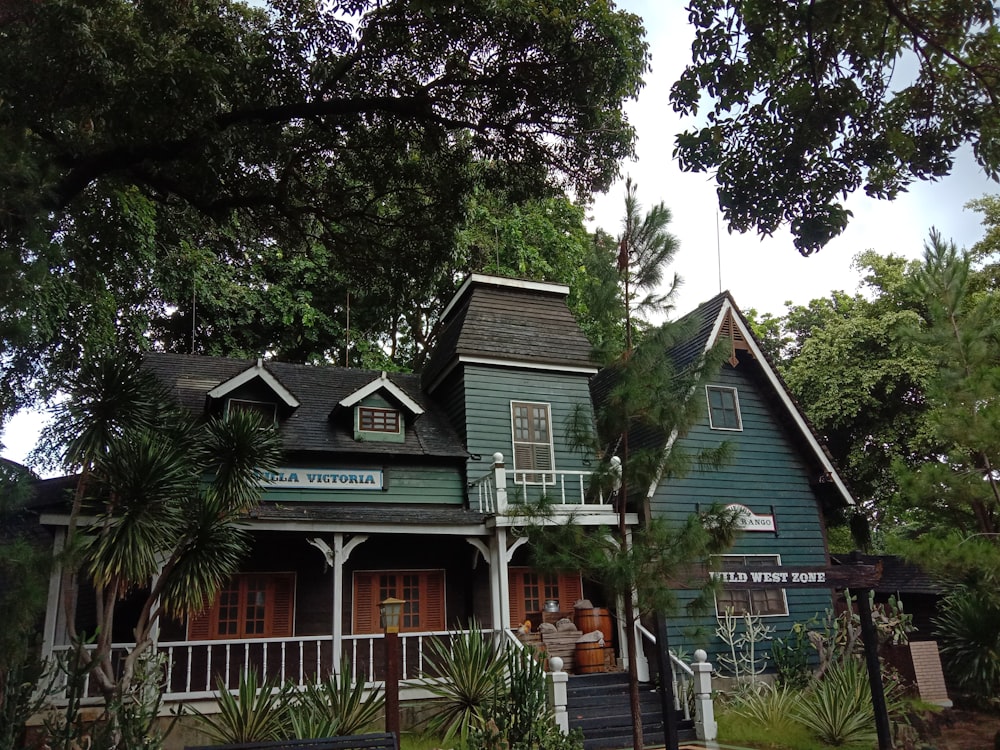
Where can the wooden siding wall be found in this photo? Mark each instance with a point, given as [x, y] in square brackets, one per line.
[488, 393]
[768, 470]
[444, 485]
[451, 395]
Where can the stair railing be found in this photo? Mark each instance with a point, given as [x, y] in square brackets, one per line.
[682, 676]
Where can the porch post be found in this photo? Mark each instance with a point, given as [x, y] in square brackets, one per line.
[337, 626]
[641, 663]
[557, 681]
[500, 482]
[53, 606]
[501, 618]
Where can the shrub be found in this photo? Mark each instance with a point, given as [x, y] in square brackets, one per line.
[251, 715]
[767, 707]
[970, 638]
[336, 706]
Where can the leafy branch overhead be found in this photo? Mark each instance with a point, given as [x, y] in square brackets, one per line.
[809, 101]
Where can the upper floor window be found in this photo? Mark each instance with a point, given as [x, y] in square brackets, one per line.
[268, 411]
[531, 426]
[766, 601]
[373, 419]
[723, 408]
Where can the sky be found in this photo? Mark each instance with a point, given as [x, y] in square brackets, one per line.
[760, 273]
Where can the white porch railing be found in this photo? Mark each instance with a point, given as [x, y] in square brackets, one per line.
[682, 676]
[491, 492]
[193, 669]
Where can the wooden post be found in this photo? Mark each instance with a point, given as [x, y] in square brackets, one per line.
[392, 666]
[874, 670]
[666, 684]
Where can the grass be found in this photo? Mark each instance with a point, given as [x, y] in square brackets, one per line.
[421, 741]
[736, 730]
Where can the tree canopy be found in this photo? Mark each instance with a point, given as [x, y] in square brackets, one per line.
[260, 161]
[810, 101]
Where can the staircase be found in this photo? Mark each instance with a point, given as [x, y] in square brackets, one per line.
[599, 705]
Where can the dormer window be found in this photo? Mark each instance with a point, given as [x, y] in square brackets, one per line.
[267, 411]
[373, 419]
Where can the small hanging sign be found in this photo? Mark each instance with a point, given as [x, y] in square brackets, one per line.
[750, 521]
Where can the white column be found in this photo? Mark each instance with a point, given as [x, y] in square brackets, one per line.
[337, 626]
[500, 482]
[502, 619]
[641, 662]
[704, 712]
[53, 606]
[556, 681]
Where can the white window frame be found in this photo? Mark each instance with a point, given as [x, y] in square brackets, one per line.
[736, 404]
[274, 406]
[538, 476]
[784, 595]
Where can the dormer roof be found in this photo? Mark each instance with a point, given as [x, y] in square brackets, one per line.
[383, 384]
[509, 323]
[257, 371]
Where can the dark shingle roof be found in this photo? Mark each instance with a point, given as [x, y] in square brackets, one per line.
[319, 389]
[493, 319]
[898, 576]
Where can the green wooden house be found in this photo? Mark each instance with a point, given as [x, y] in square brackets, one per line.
[779, 476]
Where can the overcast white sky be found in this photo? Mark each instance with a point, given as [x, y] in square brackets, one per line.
[763, 274]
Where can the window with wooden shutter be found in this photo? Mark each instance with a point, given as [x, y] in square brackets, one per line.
[766, 601]
[421, 590]
[531, 425]
[529, 589]
[249, 605]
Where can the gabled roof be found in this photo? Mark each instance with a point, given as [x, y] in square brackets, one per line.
[319, 388]
[382, 383]
[722, 315]
[509, 323]
[258, 370]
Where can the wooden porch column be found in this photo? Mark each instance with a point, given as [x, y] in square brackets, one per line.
[641, 663]
[53, 607]
[337, 628]
[501, 588]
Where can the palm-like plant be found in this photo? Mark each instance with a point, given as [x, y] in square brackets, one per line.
[166, 493]
[473, 671]
[335, 706]
[256, 713]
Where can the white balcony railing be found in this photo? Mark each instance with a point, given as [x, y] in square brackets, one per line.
[492, 492]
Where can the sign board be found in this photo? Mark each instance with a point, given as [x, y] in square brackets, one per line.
[328, 479]
[747, 520]
[796, 577]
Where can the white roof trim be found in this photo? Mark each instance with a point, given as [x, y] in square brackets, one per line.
[257, 371]
[527, 365]
[793, 410]
[382, 382]
[482, 278]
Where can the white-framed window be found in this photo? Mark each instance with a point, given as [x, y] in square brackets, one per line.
[723, 408]
[531, 429]
[267, 410]
[765, 601]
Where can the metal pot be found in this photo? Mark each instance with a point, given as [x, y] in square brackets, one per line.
[551, 605]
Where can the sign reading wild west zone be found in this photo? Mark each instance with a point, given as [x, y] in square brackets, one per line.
[837, 576]
[323, 479]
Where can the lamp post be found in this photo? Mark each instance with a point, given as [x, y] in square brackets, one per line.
[390, 610]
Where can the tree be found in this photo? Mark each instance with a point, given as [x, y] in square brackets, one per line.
[167, 495]
[643, 398]
[810, 101]
[159, 148]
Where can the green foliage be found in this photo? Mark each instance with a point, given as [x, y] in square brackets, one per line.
[791, 657]
[766, 707]
[966, 627]
[336, 706]
[838, 708]
[255, 713]
[745, 637]
[809, 95]
[472, 670]
[260, 164]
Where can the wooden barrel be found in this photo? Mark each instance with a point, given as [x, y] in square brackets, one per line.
[589, 620]
[589, 658]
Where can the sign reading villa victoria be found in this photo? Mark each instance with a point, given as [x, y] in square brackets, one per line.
[319, 478]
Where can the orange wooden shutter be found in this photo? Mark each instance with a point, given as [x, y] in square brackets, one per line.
[515, 589]
[434, 610]
[570, 589]
[200, 625]
[281, 591]
[365, 619]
